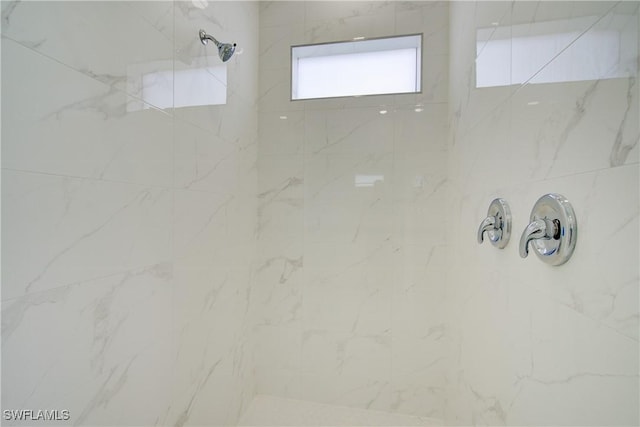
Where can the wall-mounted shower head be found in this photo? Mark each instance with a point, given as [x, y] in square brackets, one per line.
[225, 50]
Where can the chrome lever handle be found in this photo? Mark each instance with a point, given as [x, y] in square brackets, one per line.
[552, 231]
[538, 229]
[497, 224]
[487, 224]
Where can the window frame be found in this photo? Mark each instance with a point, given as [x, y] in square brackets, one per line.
[419, 69]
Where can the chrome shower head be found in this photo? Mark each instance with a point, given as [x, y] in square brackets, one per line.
[225, 50]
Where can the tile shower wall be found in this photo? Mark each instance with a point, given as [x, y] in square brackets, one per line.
[349, 274]
[128, 226]
[535, 344]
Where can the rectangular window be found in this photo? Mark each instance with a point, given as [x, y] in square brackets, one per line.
[390, 65]
[556, 51]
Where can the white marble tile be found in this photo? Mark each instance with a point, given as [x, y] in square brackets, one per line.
[461, 60]
[204, 161]
[558, 137]
[531, 12]
[278, 288]
[568, 371]
[486, 15]
[347, 354]
[211, 335]
[417, 398]
[275, 13]
[334, 261]
[367, 182]
[606, 293]
[418, 369]
[374, 102]
[274, 382]
[212, 400]
[599, 114]
[281, 132]
[276, 42]
[89, 229]
[175, 337]
[214, 229]
[274, 411]
[469, 105]
[556, 360]
[344, 390]
[218, 225]
[357, 179]
[534, 344]
[483, 106]
[280, 196]
[275, 90]
[435, 80]
[420, 177]
[364, 272]
[357, 225]
[428, 17]
[61, 122]
[344, 28]
[89, 347]
[356, 358]
[321, 11]
[215, 225]
[421, 128]
[159, 16]
[476, 159]
[421, 225]
[88, 43]
[358, 311]
[225, 122]
[278, 347]
[212, 293]
[346, 20]
[417, 311]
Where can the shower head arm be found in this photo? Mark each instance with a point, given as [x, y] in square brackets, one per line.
[204, 38]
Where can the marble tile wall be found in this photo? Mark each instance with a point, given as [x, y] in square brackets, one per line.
[350, 279]
[128, 226]
[138, 261]
[534, 344]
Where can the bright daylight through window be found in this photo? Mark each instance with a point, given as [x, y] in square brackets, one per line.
[361, 67]
[556, 51]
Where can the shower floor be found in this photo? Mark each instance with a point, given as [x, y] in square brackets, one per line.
[276, 411]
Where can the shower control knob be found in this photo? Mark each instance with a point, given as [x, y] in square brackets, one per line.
[552, 231]
[497, 224]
